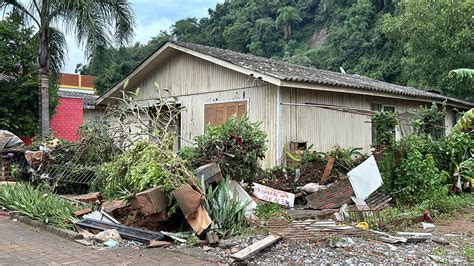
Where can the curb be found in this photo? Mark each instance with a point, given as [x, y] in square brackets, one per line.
[58, 231]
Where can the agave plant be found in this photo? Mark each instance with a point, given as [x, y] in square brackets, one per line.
[225, 209]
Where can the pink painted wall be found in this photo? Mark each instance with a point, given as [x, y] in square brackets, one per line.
[68, 118]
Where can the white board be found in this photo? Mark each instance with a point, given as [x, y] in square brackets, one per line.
[365, 178]
[243, 197]
[274, 195]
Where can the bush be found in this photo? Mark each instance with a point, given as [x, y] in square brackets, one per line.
[145, 165]
[384, 123]
[410, 172]
[237, 146]
[430, 121]
[37, 204]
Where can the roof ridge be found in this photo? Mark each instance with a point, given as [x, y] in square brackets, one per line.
[312, 75]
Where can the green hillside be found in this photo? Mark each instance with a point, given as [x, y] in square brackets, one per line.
[412, 43]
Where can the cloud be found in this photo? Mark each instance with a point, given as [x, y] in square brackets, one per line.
[151, 16]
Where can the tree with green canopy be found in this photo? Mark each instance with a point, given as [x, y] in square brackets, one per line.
[288, 16]
[19, 97]
[437, 36]
[96, 24]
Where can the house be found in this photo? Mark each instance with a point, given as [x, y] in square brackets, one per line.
[297, 105]
[76, 105]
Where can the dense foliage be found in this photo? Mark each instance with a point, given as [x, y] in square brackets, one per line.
[19, 96]
[437, 37]
[145, 165]
[237, 146]
[430, 121]
[37, 204]
[420, 167]
[384, 124]
[410, 43]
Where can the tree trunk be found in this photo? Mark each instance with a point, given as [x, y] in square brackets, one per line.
[44, 105]
[43, 65]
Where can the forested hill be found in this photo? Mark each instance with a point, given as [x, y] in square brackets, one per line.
[413, 43]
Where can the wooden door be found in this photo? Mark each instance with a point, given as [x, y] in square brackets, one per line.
[217, 113]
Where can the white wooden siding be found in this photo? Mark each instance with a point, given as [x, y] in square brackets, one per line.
[327, 128]
[196, 82]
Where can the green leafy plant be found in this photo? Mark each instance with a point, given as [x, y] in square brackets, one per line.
[237, 146]
[384, 123]
[430, 121]
[37, 204]
[270, 210]
[225, 209]
[145, 165]
[469, 253]
[346, 159]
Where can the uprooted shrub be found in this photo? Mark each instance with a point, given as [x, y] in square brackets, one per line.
[37, 204]
[145, 165]
[237, 146]
[76, 162]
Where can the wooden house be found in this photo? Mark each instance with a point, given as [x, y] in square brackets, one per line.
[297, 105]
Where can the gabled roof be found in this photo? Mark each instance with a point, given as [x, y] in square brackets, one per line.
[282, 73]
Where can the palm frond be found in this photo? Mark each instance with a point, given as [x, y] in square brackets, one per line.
[58, 50]
[96, 24]
[463, 72]
[26, 12]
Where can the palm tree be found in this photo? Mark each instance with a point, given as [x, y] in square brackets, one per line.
[96, 24]
[287, 17]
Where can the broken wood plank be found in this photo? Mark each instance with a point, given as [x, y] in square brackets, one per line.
[82, 212]
[327, 170]
[256, 247]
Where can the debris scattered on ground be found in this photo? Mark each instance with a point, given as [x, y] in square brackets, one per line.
[190, 200]
[151, 201]
[93, 197]
[158, 243]
[82, 212]
[269, 194]
[125, 232]
[255, 247]
[109, 234]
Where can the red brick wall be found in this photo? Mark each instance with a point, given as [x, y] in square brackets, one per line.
[68, 118]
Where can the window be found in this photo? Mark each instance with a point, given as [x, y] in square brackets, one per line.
[383, 108]
[387, 108]
[217, 113]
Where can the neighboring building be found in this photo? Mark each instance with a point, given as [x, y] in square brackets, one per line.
[295, 104]
[76, 105]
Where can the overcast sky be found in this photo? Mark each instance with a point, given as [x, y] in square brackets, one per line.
[151, 17]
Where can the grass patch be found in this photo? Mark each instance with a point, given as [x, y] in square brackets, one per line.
[469, 253]
[35, 203]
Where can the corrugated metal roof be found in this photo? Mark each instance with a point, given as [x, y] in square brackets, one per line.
[292, 72]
